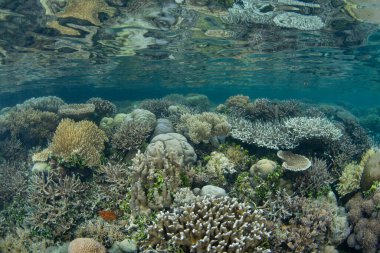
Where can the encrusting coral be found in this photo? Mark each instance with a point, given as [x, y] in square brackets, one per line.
[210, 225]
[206, 127]
[83, 140]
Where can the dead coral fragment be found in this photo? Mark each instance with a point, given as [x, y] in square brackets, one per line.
[81, 139]
[210, 225]
[293, 161]
[86, 10]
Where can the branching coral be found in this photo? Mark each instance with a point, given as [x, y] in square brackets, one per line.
[211, 225]
[103, 108]
[205, 127]
[105, 233]
[349, 181]
[130, 136]
[286, 134]
[157, 106]
[13, 180]
[155, 180]
[31, 126]
[23, 241]
[83, 140]
[57, 204]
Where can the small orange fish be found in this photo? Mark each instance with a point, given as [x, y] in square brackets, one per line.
[108, 216]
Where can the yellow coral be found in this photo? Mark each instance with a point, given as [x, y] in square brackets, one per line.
[81, 139]
[86, 10]
[349, 181]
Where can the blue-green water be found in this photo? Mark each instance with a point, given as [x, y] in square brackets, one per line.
[114, 111]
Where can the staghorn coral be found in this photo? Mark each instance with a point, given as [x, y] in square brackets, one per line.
[206, 127]
[155, 181]
[363, 214]
[76, 111]
[83, 140]
[112, 185]
[105, 233]
[56, 205]
[85, 245]
[286, 134]
[315, 180]
[23, 241]
[130, 136]
[11, 149]
[13, 180]
[293, 162]
[103, 108]
[210, 225]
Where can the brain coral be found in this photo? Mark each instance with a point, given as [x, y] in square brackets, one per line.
[81, 139]
[85, 245]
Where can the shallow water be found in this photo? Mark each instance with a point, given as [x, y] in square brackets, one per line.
[303, 60]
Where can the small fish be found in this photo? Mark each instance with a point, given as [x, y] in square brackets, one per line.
[108, 216]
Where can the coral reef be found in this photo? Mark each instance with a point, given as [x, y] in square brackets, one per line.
[157, 106]
[13, 181]
[83, 140]
[363, 214]
[155, 180]
[164, 144]
[349, 181]
[56, 205]
[105, 233]
[164, 126]
[206, 127]
[211, 225]
[86, 245]
[263, 168]
[130, 135]
[76, 111]
[49, 103]
[371, 170]
[286, 134]
[315, 180]
[30, 126]
[143, 117]
[293, 162]
[23, 241]
[103, 108]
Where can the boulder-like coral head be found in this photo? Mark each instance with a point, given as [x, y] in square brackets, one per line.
[293, 162]
[86, 245]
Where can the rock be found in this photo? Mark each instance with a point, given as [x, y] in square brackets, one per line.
[371, 172]
[41, 167]
[164, 144]
[128, 246]
[263, 168]
[164, 126]
[213, 191]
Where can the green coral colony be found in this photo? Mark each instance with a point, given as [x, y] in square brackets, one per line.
[180, 174]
